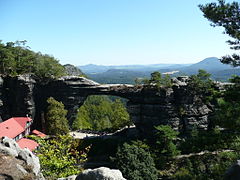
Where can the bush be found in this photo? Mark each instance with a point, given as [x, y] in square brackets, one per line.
[156, 80]
[228, 116]
[183, 174]
[202, 85]
[135, 163]
[58, 156]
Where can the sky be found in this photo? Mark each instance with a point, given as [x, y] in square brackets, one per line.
[113, 32]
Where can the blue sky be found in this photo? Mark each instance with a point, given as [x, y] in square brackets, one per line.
[113, 31]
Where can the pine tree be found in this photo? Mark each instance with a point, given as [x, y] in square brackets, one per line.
[226, 15]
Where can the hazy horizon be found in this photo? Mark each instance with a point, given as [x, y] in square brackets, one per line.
[133, 64]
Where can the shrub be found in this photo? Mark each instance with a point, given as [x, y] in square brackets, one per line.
[58, 156]
[183, 174]
[202, 85]
[135, 163]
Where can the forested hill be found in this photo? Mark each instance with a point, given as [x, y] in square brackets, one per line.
[211, 64]
[95, 69]
[128, 74]
[17, 58]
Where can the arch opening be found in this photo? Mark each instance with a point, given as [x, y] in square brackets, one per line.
[102, 114]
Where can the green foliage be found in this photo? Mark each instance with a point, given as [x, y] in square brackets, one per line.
[183, 174]
[56, 118]
[232, 92]
[166, 80]
[16, 58]
[226, 15]
[82, 120]
[212, 140]
[165, 138]
[141, 144]
[164, 149]
[120, 116]
[157, 80]
[59, 158]
[206, 166]
[135, 163]
[102, 147]
[227, 115]
[101, 114]
[202, 85]
[47, 67]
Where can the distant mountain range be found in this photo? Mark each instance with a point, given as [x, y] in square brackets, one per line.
[211, 64]
[95, 69]
[128, 73]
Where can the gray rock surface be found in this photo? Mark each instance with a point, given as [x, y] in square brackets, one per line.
[177, 106]
[72, 70]
[101, 173]
[9, 147]
[73, 177]
[21, 162]
[17, 96]
[30, 159]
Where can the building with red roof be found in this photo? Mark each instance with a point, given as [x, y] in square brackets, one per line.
[27, 143]
[38, 133]
[18, 127]
[15, 127]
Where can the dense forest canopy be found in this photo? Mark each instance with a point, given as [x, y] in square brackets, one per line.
[102, 113]
[17, 58]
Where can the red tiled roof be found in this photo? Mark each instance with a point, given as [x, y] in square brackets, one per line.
[38, 133]
[13, 126]
[27, 143]
[22, 120]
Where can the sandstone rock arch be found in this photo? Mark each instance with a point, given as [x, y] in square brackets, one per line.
[147, 107]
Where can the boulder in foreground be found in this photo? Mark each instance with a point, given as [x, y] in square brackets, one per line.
[102, 173]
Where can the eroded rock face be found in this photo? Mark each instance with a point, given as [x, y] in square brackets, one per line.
[72, 70]
[17, 163]
[17, 96]
[147, 106]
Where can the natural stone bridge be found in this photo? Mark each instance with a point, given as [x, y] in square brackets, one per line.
[148, 107]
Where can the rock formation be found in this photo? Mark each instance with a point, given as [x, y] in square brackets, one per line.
[102, 173]
[72, 70]
[17, 96]
[17, 163]
[148, 107]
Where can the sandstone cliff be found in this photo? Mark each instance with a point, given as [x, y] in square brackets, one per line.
[148, 107]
